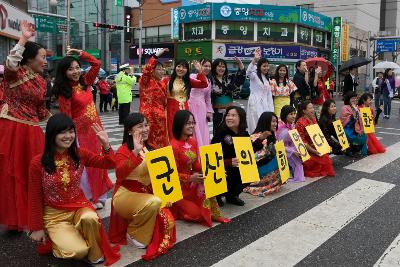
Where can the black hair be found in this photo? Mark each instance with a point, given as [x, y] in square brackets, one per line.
[300, 109]
[214, 65]
[62, 86]
[242, 119]
[264, 124]
[298, 63]
[285, 80]
[363, 98]
[348, 96]
[325, 109]
[30, 52]
[386, 74]
[180, 119]
[185, 78]
[259, 64]
[285, 111]
[130, 121]
[55, 125]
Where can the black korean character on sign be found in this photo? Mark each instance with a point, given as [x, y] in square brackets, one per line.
[213, 168]
[367, 120]
[283, 160]
[301, 148]
[321, 139]
[341, 134]
[244, 156]
[166, 174]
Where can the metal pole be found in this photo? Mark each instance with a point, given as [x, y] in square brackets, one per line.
[140, 32]
[368, 76]
[68, 41]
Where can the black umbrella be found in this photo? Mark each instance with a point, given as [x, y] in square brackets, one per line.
[354, 62]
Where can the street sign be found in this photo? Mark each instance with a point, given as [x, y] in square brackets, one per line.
[50, 24]
[387, 45]
[336, 40]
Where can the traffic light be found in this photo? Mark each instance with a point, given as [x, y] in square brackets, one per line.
[107, 26]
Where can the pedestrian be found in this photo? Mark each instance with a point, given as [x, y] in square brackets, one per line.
[317, 83]
[201, 107]
[21, 138]
[373, 144]
[60, 215]
[114, 100]
[233, 125]
[136, 215]
[388, 87]
[282, 88]
[104, 89]
[263, 140]
[124, 83]
[260, 99]
[318, 165]
[328, 116]
[224, 87]
[178, 87]
[194, 206]
[288, 116]
[301, 80]
[75, 100]
[153, 100]
[378, 95]
[350, 82]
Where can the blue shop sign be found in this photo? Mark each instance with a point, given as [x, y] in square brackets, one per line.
[313, 19]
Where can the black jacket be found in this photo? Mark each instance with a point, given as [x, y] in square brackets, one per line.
[349, 85]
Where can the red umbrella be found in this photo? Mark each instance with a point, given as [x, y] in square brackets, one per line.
[316, 62]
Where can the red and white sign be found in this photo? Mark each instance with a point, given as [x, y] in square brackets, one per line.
[10, 20]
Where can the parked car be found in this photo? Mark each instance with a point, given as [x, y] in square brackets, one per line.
[135, 87]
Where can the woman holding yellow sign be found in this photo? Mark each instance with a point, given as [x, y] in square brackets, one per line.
[317, 165]
[135, 212]
[194, 206]
[328, 116]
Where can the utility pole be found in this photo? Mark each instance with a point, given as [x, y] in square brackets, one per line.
[369, 69]
[105, 36]
[68, 41]
[140, 30]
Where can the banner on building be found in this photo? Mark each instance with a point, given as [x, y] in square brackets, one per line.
[336, 40]
[345, 48]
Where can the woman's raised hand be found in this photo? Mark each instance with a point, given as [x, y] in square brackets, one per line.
[27, 29]
[161, 51]
[197, 66]
[101, 135]
[239, 62]
[138, 143]
[71, 51]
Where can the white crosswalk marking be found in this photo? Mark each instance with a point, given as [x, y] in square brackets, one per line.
[391, 257]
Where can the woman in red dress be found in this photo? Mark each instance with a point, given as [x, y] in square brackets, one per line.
[75, 99]
[318, 83]
[135, 212]
[153, 101]
[318, 165]
[21, 138]
[178, 88]
[59, 214]
[373, 144]
[194, 206]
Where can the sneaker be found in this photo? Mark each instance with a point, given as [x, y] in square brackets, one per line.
[134, 242]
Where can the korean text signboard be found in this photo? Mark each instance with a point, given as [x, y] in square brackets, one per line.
[341, 134]
[336, 40]
[197, 31]
[247, 161]
[51, 24]
[212, 164]
[194, 50]
[164, 175]
[319, 38]
[226, 30]
[277, 32]
[367, 120]
[283, 163]
[303, 35]
[345, 48]
[318, 139]
[300, 146]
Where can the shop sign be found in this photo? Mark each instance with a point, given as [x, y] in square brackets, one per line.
[10, 20]
[226, 30]
[194, 50]
[174, 23]
[277, 32]
[150, 50]
[336, 40]
[345, 49]
[303, 35]
[315, 20]
[229, 51]
[197, 31]
[319, 38]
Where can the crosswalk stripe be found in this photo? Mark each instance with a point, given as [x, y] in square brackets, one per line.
[377, 161]
[311, 229]
[391, 257]
[389, 133]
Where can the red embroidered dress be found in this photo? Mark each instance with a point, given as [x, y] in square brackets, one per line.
[81, 108]
[153, 101]
[21, 138]
[194, 206]
[163, 237]
[316, 166]
[61, 190]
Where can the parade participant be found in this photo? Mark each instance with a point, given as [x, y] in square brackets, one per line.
[135, 212]
[282, 88]
[224, 88]
[233, 125]
[301, 80]
[21, 138]
[351, 121]
[260, 99]
[318, 165]
[264, 140]
[124, 83]
[194, 206]
[388, 88]
[104, 89]
[59, 213]
[153, 102]
[373, 144]
[328, 116]
[288, 116]
[178, 88]
[318, 84]
[201, 107]
[75, 100]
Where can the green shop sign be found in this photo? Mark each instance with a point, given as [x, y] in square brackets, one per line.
[197, 31]
[94, 52]
[194, 50]
[277, 32]
[51, 24]
[226, 30]
[336, 40]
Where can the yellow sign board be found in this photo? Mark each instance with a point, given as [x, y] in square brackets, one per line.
[283, 163]
[164, 175]
[318, 139]
[212, 164]
[247, 161]
[300, 146]
[341, 134]
[367, 120]
[345, 49]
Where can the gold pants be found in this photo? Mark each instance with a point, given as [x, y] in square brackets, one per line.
[74, 234]
[140, 209]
